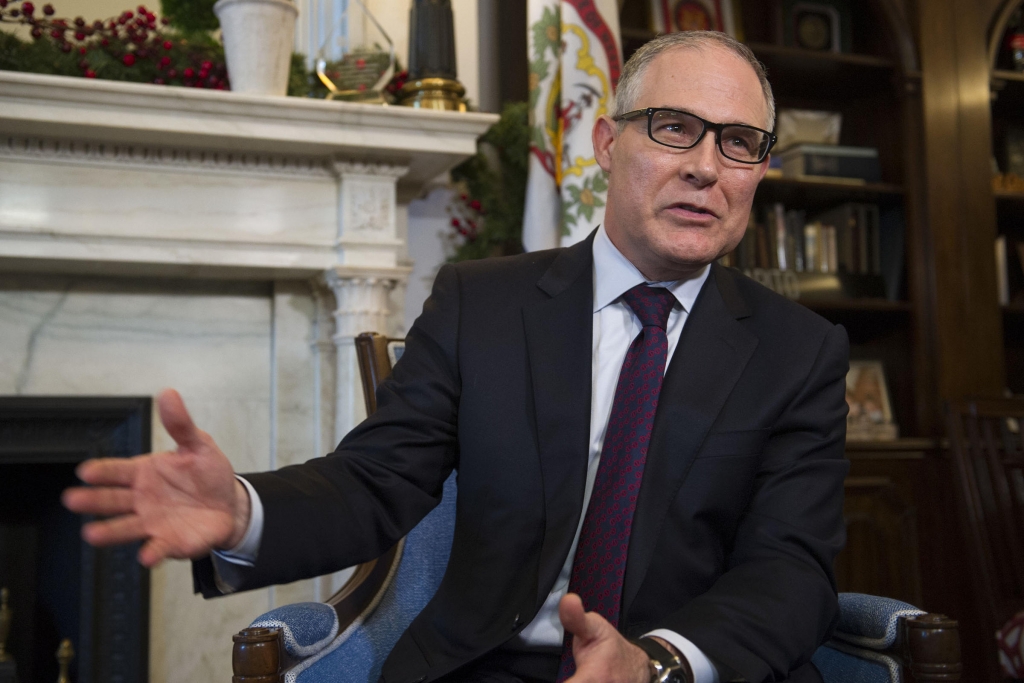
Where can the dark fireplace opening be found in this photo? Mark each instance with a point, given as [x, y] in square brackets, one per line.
[60, 587]
[40, 547]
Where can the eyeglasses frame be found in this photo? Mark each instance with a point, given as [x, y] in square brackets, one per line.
[649, 112]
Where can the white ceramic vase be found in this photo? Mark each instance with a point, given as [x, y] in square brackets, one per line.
[259, 36]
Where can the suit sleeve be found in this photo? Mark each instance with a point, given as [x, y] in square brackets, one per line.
[776, 602]
[387, 474]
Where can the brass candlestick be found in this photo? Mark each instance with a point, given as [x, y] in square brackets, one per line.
[65, 653]
[432, 80]
[6, 615]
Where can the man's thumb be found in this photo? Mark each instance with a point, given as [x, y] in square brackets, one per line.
[574, 617]
[176, 419]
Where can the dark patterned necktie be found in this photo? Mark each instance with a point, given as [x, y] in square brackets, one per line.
[600, 562]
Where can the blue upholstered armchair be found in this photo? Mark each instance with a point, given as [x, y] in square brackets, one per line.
[347, 639]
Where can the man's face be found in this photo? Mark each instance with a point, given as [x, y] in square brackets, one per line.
[672, 211]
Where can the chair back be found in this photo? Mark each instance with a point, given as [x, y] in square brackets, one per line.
[377, 354]
[987, 442]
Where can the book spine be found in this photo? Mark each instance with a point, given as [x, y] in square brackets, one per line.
[863, 246]
[811, 247]
[871, 212]
[1002, 273]
[833, 265]
[779, 235]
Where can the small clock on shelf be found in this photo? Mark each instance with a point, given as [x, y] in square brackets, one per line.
[821, 25]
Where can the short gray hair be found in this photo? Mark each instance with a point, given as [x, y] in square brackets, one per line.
[632, 74]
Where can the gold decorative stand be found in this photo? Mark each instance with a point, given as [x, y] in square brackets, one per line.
[6, 616]
[65, 653]
[8, 670]
[444, 94]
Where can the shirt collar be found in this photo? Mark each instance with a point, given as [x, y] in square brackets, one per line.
[614, 275]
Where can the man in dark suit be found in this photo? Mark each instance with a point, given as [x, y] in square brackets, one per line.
[683, 489]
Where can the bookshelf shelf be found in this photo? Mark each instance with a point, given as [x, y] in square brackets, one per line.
[1004, 196]
[808, 60]
[824, 193]
[868, 305]
[1015, 77]
[912, 448]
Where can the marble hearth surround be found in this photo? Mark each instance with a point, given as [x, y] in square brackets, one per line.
[228, 245]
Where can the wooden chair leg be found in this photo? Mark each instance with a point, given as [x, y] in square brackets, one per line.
[932, 648]
[256, 656]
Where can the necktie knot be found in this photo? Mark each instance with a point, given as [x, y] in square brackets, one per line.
[651, 304]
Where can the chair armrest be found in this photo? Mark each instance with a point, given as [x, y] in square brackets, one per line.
[883, 640]
[282, 638]
[871, 622]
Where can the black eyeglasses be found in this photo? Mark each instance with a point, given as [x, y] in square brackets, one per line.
[683, 130]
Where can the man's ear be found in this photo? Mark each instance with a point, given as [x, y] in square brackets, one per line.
[604, 135]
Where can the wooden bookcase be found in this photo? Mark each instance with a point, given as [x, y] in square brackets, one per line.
[875, 88]
[1008, 112]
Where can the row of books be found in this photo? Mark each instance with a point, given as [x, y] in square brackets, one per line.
[845, 238]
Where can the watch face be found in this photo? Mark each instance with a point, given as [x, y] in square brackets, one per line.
[675, 675]
[813, 30]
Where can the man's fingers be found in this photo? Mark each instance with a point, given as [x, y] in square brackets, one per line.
[572, 615]
[105, 502]
[152, 553]
[176, 419]
[124, 529]
[107, 471]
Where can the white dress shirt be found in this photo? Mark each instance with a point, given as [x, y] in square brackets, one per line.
[615, 327]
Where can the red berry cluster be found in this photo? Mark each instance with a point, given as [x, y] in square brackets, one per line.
[396, 83]
[466, 216]
[136, 39]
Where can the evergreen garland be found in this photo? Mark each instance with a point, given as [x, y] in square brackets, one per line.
[487, 217]
[133, 46]
[190, 16]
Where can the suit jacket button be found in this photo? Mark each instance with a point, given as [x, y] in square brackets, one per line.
[515, 623]
[421, 678]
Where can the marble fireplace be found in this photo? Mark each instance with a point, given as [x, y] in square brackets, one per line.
[229, 246]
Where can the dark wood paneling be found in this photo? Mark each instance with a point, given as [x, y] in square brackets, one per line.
[513, 69]
[961, 211]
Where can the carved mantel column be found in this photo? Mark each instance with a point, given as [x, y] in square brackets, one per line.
[361, 297]
[369, 253]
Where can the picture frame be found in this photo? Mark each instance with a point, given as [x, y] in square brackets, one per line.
[669, 16]
[867, 394]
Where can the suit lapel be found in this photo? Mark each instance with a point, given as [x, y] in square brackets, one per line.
[559, 335]
[710, 357]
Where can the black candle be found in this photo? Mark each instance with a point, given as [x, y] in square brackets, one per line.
[431, 40]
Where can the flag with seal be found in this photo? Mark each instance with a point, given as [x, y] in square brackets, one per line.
[574, 68]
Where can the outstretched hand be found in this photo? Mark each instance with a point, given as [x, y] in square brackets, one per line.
[182, 503]
[601, 653]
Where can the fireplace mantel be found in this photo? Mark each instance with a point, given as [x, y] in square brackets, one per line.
[177, 181]
[428, 142]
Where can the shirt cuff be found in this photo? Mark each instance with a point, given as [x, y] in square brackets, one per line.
[704, 671]
[227, 564]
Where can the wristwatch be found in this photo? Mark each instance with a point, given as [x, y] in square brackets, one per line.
[665, 666]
